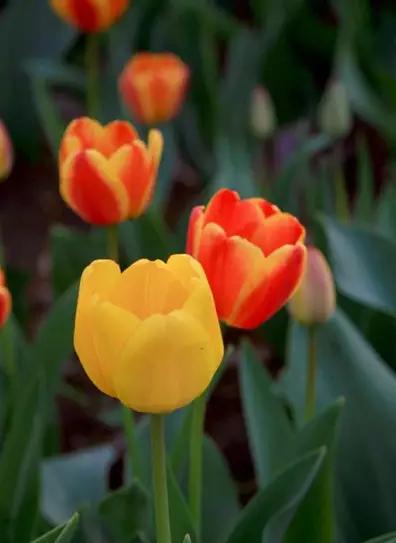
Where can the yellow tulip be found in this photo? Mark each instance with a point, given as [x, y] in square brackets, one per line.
[148, 336]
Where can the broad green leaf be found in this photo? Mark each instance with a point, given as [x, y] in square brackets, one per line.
[125, 513]
[269, 429]
[364, 203]
[364, 264]
[72, 480]
[389, 538]
[220, 496]
[281, 496]
[315, 517]
[348, 366]
[386, 211]
[61, 534]
[180, 517]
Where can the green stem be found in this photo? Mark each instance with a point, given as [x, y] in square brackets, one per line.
[196, 459]
[161, 501]
[310, 395]
[112, 242]
[92, 70]
[7, 342]
[134, 457]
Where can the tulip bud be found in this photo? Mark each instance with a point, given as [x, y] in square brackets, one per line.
[153, 86]
[5, 300]
[335, 115]
[315, 299]
[6, 152]
[90, 15]
[262, 113]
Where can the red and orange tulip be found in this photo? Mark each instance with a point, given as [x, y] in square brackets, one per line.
[90, 15]
[5, 300]
[252, 253]
[107, 174]
[153, 86]
[6, 152]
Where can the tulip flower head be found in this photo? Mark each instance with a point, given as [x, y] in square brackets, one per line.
[153, 86]
[252, 253]
[6, 152]
[90, 15]
[107, 174]
[148, 336]
[315, 300]
[5, 300]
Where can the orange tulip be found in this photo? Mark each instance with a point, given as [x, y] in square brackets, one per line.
[153, 86]
[6, 152]
[107, 174]
[5, 300]
[90, 15]
[252, 253]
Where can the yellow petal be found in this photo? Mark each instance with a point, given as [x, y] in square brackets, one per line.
[185, 268]
[167, 364]
[96, 282]
[155, 146]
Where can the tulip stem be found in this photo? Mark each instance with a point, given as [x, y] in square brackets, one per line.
[196, 460]
[92, 71]
[135, 461]
[161, 501]
[310, 393]
[112, 243]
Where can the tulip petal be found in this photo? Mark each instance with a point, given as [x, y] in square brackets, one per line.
[278, 230]
[195, 230]
[117, 134]
[112, 328]
[97, 281]
[90, 187]
[5, 305]
[166, 365]
[155, 147]
[149, 287]
[237, 217]
[185, 268]
[82, 133]
[283, 272]
[232, 266]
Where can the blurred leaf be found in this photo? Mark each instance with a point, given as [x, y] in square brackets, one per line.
[56, 73]
[125, 513]
[72, 251]
[72, 480]
[281, 496]
[220, 496]
[386, 211]
[270, 432]
[61, 534]
[180, 517]
[187, 539]
[364, 204]
[348, 366]
[17, 47]
[389, 538]
[315, 517]
[364, 264]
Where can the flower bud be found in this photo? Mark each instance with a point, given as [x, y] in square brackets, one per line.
[262, 113]
[334, 114]
[314, 301]
[90, 15]
[6, 152]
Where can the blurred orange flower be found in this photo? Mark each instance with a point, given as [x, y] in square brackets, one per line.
[5, 300]
[153, 86]
[6, 152]
[252, 253]
[107, 174]
[90, 15]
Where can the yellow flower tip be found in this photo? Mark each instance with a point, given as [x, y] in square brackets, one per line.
[262, 113]
[149, 335]
[155, 146]
[314, 302]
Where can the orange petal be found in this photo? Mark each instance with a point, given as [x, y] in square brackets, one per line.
[92, 190]
[5, 305]
[194, 230]
[231, 265]
[283, 273]
[117, 134]
[278, 230]
[237, 217]
[82, 133]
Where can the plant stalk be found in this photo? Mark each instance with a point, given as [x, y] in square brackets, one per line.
[161, 501]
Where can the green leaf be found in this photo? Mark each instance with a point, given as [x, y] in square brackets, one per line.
[281, 497]
[386, 211]
[72, 480]
[125, 513]
[270, 432]
[180, 517]
[220, 496]
[364, 205]
[61, 534]
[364, 264]
[388, 538]
[187, 539]
[315, 517]
[348, 366]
